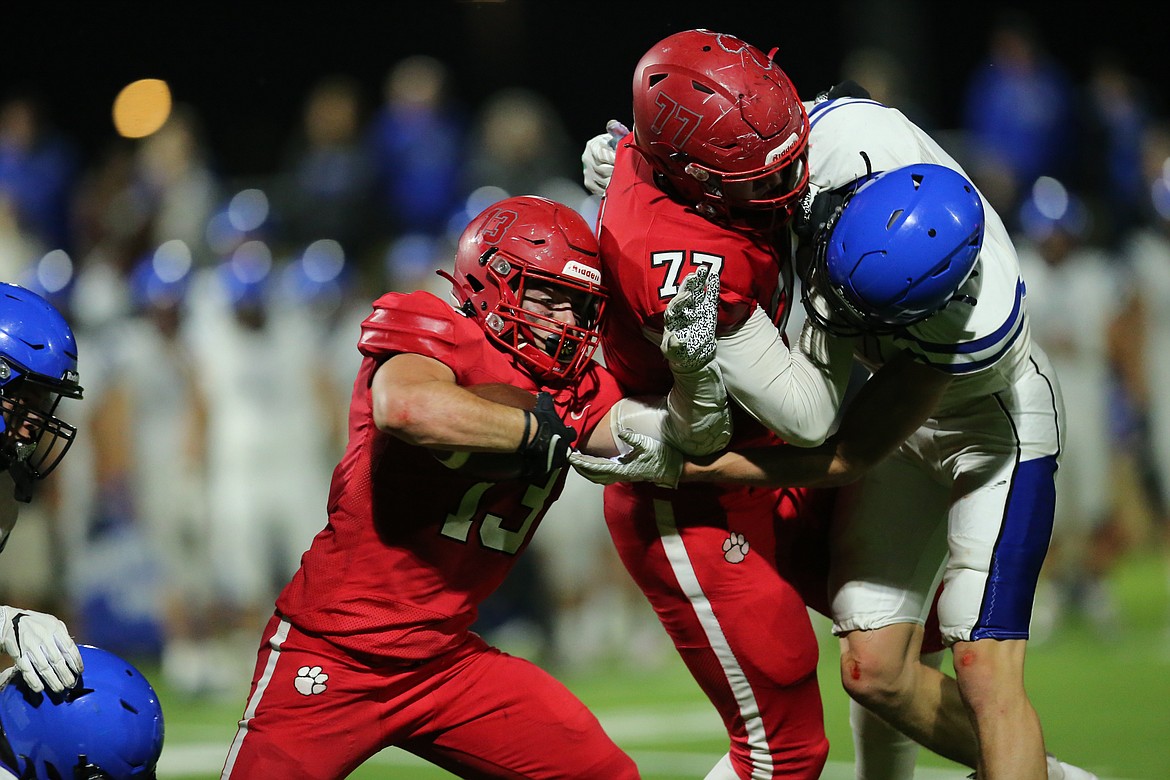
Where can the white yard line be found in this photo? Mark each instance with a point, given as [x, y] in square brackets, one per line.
[184, 760]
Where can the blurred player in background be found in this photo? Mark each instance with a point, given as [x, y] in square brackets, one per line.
[1061, 264]
[149, 432]
[109, 728]
[915, 698]
[38, 367]
[269, 444]
[370, 645]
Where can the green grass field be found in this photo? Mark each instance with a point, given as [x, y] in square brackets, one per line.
[1105, 705]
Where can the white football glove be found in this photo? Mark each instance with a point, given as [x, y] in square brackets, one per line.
[648, 460]
[40, 644]
[688, 337]
[600, 152]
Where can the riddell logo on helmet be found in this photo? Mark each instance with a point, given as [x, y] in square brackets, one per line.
[782, 149]
[583, 272]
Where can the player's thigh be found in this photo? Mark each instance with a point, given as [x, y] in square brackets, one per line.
[888, 546]
[802, 525]
[499, 716]
[1000, 530]
[710, 573]
[1001, 521]
[312, 712]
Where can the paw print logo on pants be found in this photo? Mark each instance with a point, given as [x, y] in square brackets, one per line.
[310, 680]
[735, 548]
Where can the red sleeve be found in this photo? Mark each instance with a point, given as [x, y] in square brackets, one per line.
[415, 322]
[421, 323]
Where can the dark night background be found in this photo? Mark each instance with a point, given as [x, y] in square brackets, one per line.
[246, 66]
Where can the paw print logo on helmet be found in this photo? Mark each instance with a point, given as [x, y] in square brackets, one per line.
[522, 267]
[723, 125]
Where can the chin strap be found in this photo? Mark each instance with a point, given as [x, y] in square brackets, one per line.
[23, 479]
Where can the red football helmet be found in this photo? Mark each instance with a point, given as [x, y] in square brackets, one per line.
[525, 242]
[722, 123]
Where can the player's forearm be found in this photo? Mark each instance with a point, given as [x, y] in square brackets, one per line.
[782, 466]
[445, 416]
[795, 394]
[698, 418]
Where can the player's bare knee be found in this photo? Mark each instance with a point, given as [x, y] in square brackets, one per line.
[873, 680]
[988, 671]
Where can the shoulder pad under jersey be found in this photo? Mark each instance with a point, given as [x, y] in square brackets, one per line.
[414, 322]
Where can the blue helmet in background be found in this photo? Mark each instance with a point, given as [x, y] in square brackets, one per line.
[898, 249]
[320, 278]
[107, 727]
[162, 278]
[246, 275]
[38, 367]
[1051, 209]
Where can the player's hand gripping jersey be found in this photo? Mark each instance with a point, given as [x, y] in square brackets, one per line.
[411, 547]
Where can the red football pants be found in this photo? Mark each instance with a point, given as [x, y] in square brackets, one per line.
[707, 561]
[316, 711]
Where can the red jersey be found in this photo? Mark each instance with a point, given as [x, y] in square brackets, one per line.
[649, 243]
[412, 548]
[708, 556]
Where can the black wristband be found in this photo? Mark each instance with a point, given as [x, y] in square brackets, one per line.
[527, 430]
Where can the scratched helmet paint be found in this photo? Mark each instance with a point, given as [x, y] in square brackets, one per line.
[518, 243]
[899, 248]
[38, 367]
[722, 123]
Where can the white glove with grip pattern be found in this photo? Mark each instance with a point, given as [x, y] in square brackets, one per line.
[648, 460]
[688, 337]
[45, 654]
[597, 159]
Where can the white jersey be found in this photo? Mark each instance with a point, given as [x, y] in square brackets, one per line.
[970, 494]
[985, 345]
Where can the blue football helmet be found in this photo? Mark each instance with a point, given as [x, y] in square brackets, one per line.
[38, 367]
[319, 279]
[897, 250]
[162, 278]
[246, 276]
[107, 727]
